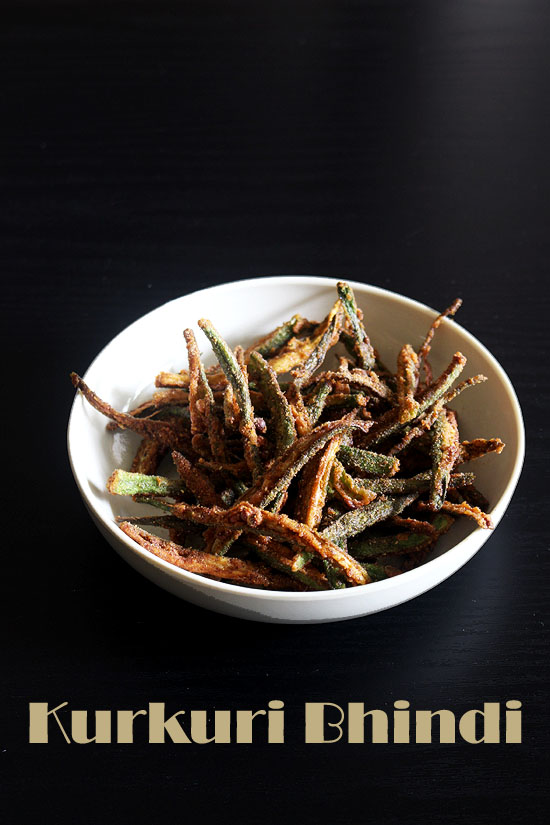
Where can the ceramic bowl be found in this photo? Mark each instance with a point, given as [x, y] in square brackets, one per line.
[123, 374]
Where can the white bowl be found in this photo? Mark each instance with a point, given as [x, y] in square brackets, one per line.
[123, 374]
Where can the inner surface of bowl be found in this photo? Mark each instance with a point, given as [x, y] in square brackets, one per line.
[124, 372]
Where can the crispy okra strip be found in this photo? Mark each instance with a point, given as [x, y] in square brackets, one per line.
[361, 378]
[424, 350]
[200, 394]
[346, 400]
[400, 486]
[146, 427]
[366, 461]
[141, 411]
[355, 521]
[172, 380]
[472, 496]
[334, 579]
[463, 509]
[148, 456]
[317, 403]
[313, 486]
[201, 401]
[353, 493]
[389, 423]
[327, 340]
[442, 522]
[313, 493]
[413, 525]
[272, 343]
[298, 409]
[301, 559]
[363, 350]
[236, 375]
[168, 397]
[397, 544]
[236, 469]
[407, 382]
[378, 572]
[196, 561]
[445, 451]
[279, 556]
[451, 394]
[180, 380]
[122, 483]
[247, 517]
[195, 481]
[297, 350]
[280, 473]
[281, 415]
[470, 450]
[425, 423]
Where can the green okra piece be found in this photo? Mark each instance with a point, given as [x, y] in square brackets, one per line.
[366, 461]
[406, 383]
[418, 483]
[281, 414]
[347, 401]
[334, 580]
[355, 521]
[442, 522]
[378, 572]
[363, 348]
[279, 475]
[315, 408]
[441, 466]
[279, 338]
[381, 545]
[301, 559]
[314, 361]
[123, 483]
[278, 564]
[234, 374]
[283, 470]
[390, 423]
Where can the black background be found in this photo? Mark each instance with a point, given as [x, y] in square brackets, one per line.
[151, 149]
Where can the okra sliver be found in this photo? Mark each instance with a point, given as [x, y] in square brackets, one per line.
[334, 580]
[355, 521]
[314, 361]
[407, 381]
[317, 404]
[363, 348]
[445, 451]
[278, 338]
[281, 414]
[284, 469]
[366, 461]
[123, 483]
[397, 544]
[378, 572]
[236, 377]
[419, 483]
[389, 423]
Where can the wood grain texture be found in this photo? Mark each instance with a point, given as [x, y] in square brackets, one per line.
[148, 149]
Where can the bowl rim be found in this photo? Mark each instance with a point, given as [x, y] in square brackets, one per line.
[470, 543]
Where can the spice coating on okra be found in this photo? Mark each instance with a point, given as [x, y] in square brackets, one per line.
[291, 472]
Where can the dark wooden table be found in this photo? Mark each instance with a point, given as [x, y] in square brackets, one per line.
[149, 149]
